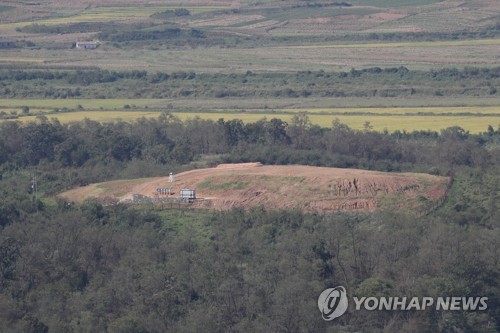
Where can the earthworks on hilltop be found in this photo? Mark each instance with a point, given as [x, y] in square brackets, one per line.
[314, 189]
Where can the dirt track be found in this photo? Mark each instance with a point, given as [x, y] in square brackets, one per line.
[277, 187]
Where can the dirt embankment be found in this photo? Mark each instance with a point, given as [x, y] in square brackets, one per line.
[278, 187]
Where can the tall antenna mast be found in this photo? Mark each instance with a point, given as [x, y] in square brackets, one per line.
[34, 186]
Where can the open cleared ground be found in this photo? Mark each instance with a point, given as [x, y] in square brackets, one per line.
[279, 187]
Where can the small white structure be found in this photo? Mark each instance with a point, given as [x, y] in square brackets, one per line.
[87, 45]
[171, 178]
[163, 190]
[188, 194]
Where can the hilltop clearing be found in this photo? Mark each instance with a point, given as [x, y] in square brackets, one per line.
[315, 189]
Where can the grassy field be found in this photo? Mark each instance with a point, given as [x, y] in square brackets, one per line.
[472, 118]
[379, 123]
[102, 116]
[111, 13]
[91, 104]
[414, 55]
[440, 43]
[391, 3]
[255, 106]
[474, 124]
[427, 111]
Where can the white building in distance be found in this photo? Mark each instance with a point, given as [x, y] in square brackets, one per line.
[87, 45]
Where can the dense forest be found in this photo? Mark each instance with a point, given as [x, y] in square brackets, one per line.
[67, 267]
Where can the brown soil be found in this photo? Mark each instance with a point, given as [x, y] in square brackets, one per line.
[278, 187]
[238, 165]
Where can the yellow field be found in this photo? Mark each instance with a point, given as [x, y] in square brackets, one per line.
[410, 123]
[391, 123]
[474, 124]
[391, 118]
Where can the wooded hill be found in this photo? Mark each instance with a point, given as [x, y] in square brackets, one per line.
[89, 267]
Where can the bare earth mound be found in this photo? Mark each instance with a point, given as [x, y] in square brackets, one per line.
[277, 187]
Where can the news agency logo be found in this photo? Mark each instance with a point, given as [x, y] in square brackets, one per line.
[332, 303]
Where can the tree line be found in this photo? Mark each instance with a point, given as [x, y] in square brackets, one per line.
[368, 82]
[168, 140]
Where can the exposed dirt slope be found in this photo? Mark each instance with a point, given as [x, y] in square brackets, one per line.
[276, 187]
